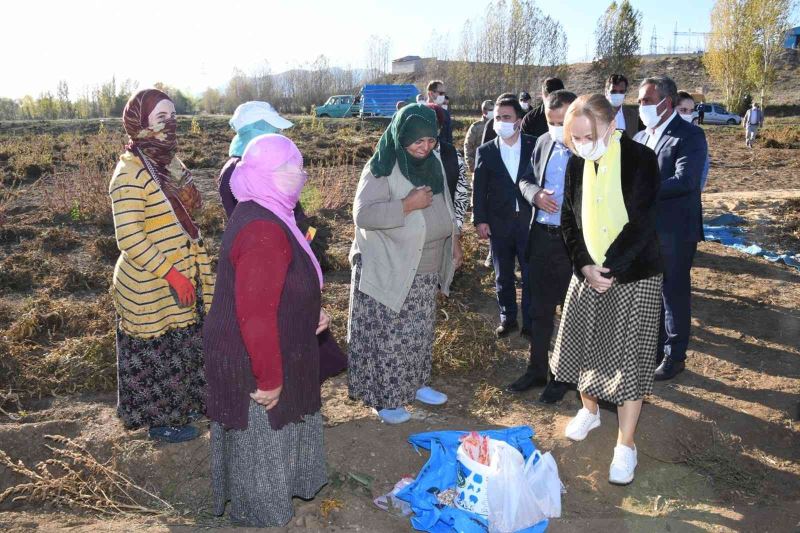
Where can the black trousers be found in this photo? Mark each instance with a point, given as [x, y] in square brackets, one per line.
[550, 274]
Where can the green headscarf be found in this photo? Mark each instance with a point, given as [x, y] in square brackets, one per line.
[410, 124]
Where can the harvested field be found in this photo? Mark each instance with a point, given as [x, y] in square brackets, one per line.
[718, 445]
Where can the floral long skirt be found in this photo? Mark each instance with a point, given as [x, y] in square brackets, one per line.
[160, 381]
[390, 353]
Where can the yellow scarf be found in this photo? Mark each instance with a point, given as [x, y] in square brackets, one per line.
[603, 208]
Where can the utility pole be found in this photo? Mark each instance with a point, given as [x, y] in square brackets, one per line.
[675, 39]
[689, 34]
[654, 42]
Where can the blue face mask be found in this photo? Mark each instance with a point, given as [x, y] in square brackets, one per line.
[247, 134]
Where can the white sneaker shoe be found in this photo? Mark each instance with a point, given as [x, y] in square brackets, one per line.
[582, 424]
[622, 465]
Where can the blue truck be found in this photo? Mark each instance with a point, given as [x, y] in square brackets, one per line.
[371, 101]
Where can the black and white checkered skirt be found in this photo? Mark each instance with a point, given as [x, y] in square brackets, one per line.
[607, 342]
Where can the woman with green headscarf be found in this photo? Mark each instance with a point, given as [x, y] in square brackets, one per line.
[405, 251]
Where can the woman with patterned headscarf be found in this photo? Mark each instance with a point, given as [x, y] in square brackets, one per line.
[162, 282]
[404, 253]
[261, 346]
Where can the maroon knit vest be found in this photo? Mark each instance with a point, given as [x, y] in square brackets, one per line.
[227, 363]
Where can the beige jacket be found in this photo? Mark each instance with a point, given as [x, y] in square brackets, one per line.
[472, 141]
[390, 242]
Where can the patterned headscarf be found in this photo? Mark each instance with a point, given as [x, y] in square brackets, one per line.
[156, 145]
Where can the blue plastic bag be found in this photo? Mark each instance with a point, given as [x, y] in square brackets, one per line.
[439, 474]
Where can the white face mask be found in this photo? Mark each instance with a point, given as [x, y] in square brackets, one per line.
[556, 133]
[650, 115]
[525, 106]
[616, 100]
[489, 115]
[504, 129]
[593, 151]
[687, 117]
[440, 99]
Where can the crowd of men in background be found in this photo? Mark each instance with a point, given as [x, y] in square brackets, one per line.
[504, 151]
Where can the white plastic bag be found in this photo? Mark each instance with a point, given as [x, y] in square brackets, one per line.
[512, 506]
[542, 479]
[471, 481]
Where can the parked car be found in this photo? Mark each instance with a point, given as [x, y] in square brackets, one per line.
[339, 106]
[717, 114]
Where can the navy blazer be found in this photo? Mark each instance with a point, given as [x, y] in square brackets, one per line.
[493, 190]
[682, 152]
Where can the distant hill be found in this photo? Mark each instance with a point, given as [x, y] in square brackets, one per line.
[687, 71]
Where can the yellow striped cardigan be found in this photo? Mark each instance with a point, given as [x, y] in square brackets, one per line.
[152, 241]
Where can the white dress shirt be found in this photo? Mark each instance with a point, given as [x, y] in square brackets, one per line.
[620, 119]
[655, 135]
[511, 155]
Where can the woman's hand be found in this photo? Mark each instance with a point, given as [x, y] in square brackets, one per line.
[267, 398]
[183, 288]
[458, 253]
[593, 275]
[419, 198]
[324, 321]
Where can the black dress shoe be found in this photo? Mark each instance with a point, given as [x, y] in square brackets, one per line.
[525, 333]
[668, 369]
[527, 381]
[554, 392]
[505, 328]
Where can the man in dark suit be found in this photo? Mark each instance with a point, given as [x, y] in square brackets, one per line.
[627, 118]
[550, 264]
[682, 150]
[534, 122]
[500, 212]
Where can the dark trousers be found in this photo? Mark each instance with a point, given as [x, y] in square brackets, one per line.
[508, 248]
[676, 308]
[550, 274]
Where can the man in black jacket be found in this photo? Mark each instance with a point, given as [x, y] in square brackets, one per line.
[550, 264]
[500, 212]
[534, 123]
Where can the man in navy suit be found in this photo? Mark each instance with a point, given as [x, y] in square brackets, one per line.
[682, 150]
[500, 212]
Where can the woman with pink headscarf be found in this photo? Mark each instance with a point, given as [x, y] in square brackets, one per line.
[262, 356]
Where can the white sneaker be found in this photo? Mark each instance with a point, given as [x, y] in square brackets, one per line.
[582, 424]
[622, 465]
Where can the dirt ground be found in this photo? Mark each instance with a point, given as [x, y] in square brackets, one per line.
[719, 446]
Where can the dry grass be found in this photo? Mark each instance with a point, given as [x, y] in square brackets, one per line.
[784, 136]
[721, 460]
[59, 347]
[73, 478]
[488, 401]
[464, 339]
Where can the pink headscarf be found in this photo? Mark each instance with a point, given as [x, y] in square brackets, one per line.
[255, 178]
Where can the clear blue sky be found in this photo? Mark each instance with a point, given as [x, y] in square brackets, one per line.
[195, 44]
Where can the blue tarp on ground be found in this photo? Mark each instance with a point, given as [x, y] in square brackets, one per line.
[724, 230]
[439, 474]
